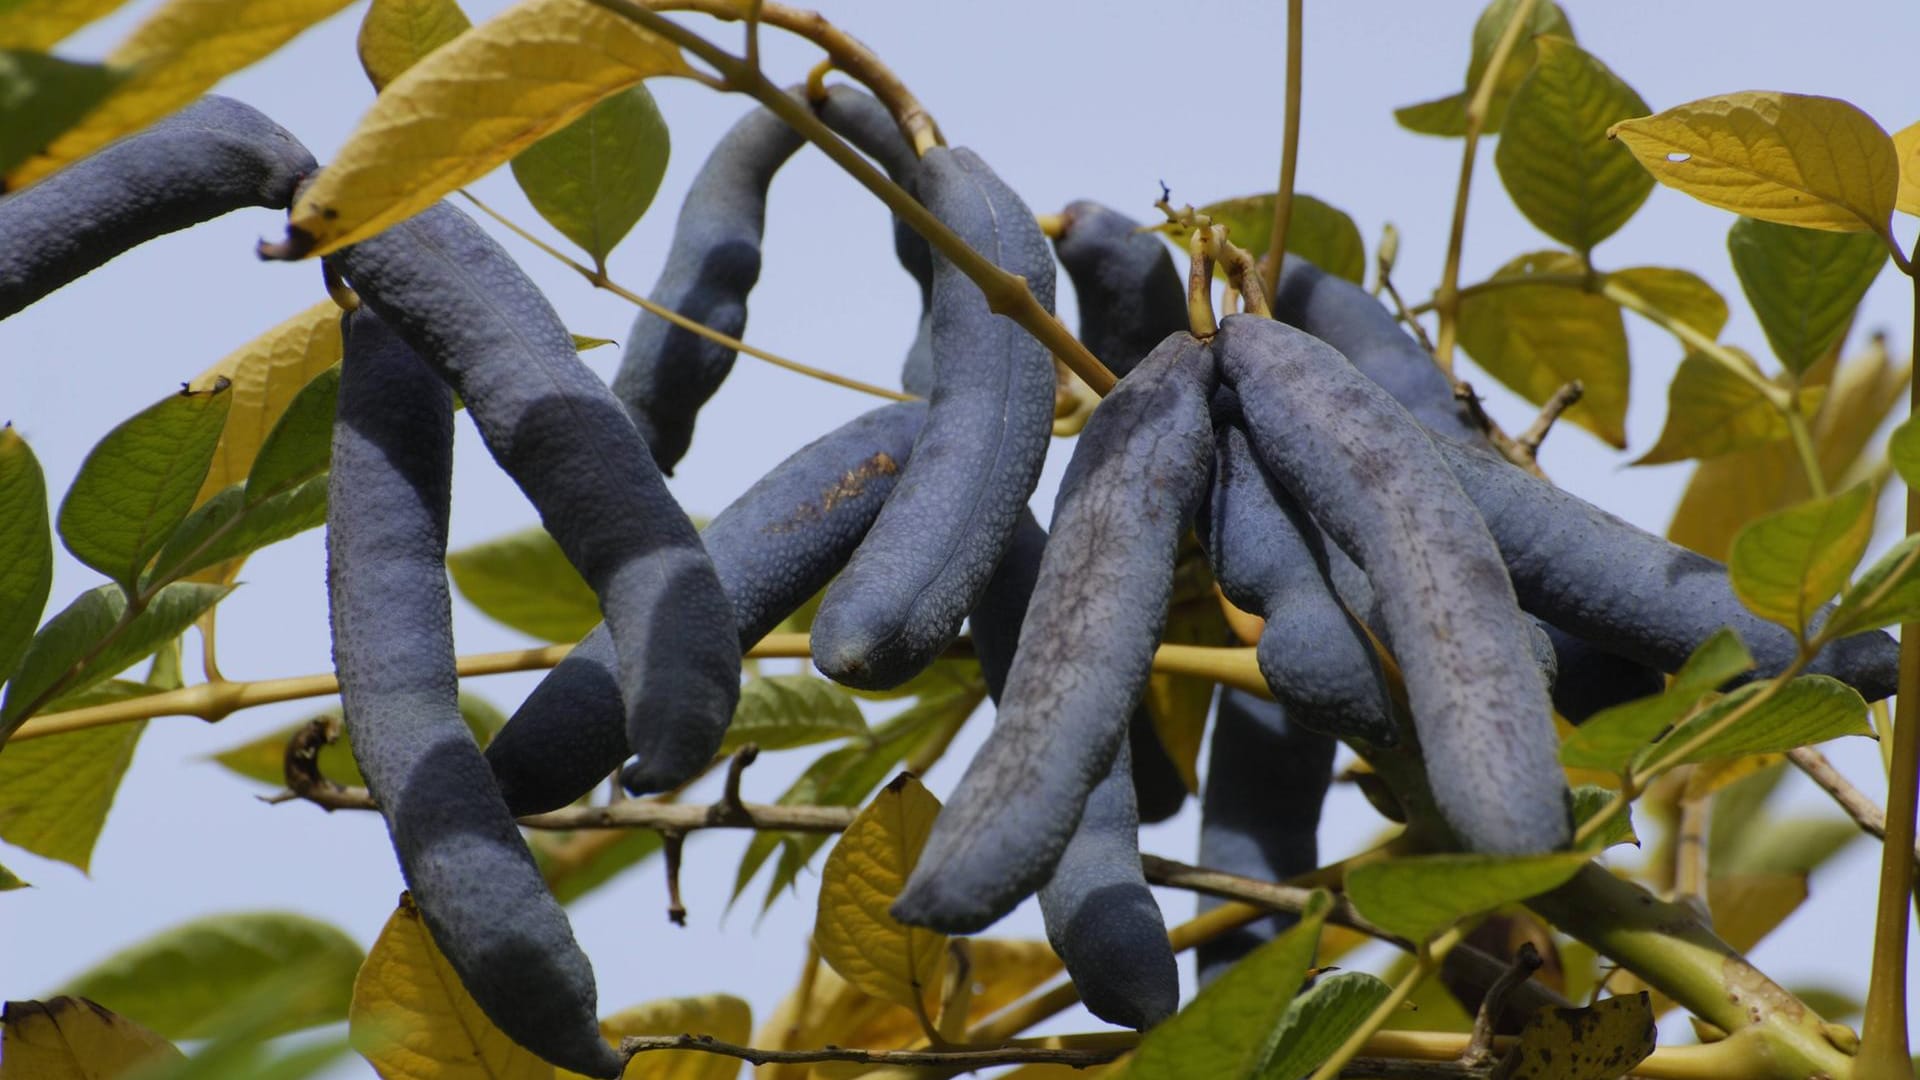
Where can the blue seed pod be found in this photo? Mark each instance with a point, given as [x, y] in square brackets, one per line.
[1131, 295]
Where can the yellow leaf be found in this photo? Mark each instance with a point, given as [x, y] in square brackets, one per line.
[1178, 704]
[863, 874]
[1537, 338]
[69, 1038]
[722, 1016]
[1905, 142]
[1712, 411]
[1602, 1042]
[1747, 907]
[397, 33]
[179, 52]
[469, 106]
[37, 25]
[1004, 970]
[1680, 293]
[1815, 162]
[1710, 776]
[413, 1020]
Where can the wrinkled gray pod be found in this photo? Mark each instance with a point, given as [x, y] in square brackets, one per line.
[450, 292]
[1130, 293]
[666, 373]
[923, 566]
[1101, 918]
[773, 548]
[471, 875]
[1633, 593]
[1267, 778]
[210, 158]
[1371, 478]
[1086, 646]
[1269, 558]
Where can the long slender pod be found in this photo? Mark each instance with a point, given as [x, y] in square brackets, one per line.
[1370, 477]
[1630, 592]
[1270, 558]
[462, 856]
[1159, 791]
[1086, 647]
[666, 373]
[921, 569]
[1100, 915]
[1267, 778]
[210, 158]
[1131, 296]
[450, 291]
[773, 548]
[1591, 678]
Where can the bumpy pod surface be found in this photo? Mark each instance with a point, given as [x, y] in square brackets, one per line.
[461, 854]
[921, 569]
[210, 158]
[450, 292]
[1269, 558]
[1267, 778]
[1591, 678]
[1131, 295]
[1101, 918]
[666, 373]
[773, 548]
[1086, 647]
[1371, 478]
[1631, 592]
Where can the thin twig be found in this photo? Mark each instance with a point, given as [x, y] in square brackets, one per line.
[730, 795]
[1289, 148]
[672, 843]
[958, 1060]
[1563, 399]
[1479, 1051]
[1864, 811]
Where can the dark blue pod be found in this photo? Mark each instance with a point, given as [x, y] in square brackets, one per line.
[1159, 791]
[1130, 293]
[1371, 478]
[1100, 915]
[1592, 679]
[1260, 810]
[921, 569]
[773, 548]
[1633, 593]
[1086, 646]
[210, 158]
[666, 373]
[450, 292]
[469, 870]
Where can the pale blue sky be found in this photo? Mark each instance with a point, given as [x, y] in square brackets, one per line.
[1066, 100]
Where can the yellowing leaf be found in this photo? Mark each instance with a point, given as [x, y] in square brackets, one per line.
[1706, 779]
[1905, 142]
[1787, 564]
[41, 24]
[863, 874]
[722, 1016]
[180, 51]
[469, 106]
[55, 792]
[1680, 293]
[1554, 155]
[413, 1020]
[1603, 1042]
[397, 33]
[1748, 907]
[1004, 970]
[1712, 411]
[70, 1038]
[265, 374]
[1794, 159]
[1537, 338]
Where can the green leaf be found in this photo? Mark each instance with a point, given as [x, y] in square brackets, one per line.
[9, 881]
[397, 33]
[42, 96]
[1680, 293]
[1610, 738]
[1804, 284]
[1448, 115]
[575, 864]
[1419, 896]
[583, 343]
[1903, 448]
[186, 982]
[1554, 156]
[264, 758]
[1318, 1021]
[1888, 593]
[72, 651]
[26, 548]
[594, 178]
[1711, 411]
[1316, 231]
[139, 481]
[1787, 564]
[1537, 338]
[782, 711]
[55, 792]
[1590, 799]
[228, 527]
[1224, 1032]
[300, 446]
[1796, 845]
[1810, 709]
[524, 581]
[241, 1056]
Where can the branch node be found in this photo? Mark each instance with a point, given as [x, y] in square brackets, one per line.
[731, 805]
[1479, 1049]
